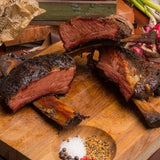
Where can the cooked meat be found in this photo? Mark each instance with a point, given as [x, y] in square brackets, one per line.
[157, 91]
[50, 106]
[148, 38]
[36, 77]
[125, 26]
[58, 111]
[79, 31]
[134, 76]
[8, 62]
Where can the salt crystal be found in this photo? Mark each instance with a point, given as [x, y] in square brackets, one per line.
[74, 147]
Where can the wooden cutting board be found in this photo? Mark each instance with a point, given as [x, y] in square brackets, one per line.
[32, 134]
[35, 136]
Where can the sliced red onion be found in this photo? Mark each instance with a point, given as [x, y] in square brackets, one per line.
[158, 36]
[138, 51]
[140, 44]
[157, 27]
[158, 47]
[147, 28]
[150, 46]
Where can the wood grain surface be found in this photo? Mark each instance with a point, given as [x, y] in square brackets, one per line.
[31, 34]
[35, 136]
[32, 134]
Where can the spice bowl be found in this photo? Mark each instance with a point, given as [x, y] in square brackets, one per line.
[94, 138]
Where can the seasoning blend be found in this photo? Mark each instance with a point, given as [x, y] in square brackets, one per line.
[97, 149]
[89, 148]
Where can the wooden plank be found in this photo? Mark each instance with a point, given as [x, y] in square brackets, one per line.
[64, 10]
[9, 153]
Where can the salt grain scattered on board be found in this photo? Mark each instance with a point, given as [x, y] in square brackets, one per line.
[74, 146]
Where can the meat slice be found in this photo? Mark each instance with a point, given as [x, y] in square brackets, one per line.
[49, 74]
[79, 31]
[50, 106]
[134, 76]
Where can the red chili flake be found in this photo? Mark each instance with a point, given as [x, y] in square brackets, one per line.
[87, 158]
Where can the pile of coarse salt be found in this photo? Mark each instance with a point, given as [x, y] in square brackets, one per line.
[74, 147]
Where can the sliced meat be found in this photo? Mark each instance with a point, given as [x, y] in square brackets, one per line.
[36, 77]
[79, 31]
[50, 106]
[134, 76]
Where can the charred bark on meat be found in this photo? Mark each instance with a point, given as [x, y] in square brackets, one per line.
[50, 106]
[59, 112]
[32, 71]
[135, 77]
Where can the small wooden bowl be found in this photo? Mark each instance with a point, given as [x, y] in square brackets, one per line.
[84, 132]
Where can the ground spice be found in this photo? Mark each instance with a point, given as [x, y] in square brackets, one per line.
[97, 149]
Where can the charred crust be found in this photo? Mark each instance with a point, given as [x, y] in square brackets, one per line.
[157, 91]
[123, 31]
[149, 75]
[31, 70]
[145, 88]
[149, 81]
[16, 56]
[132, 56]
[75, 120]
[153, 119]
[125, 27]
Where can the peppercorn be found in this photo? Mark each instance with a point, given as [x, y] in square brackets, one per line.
[64, 149]
[69, 157]
[76, 158]
[65, 154]
[61, 155]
